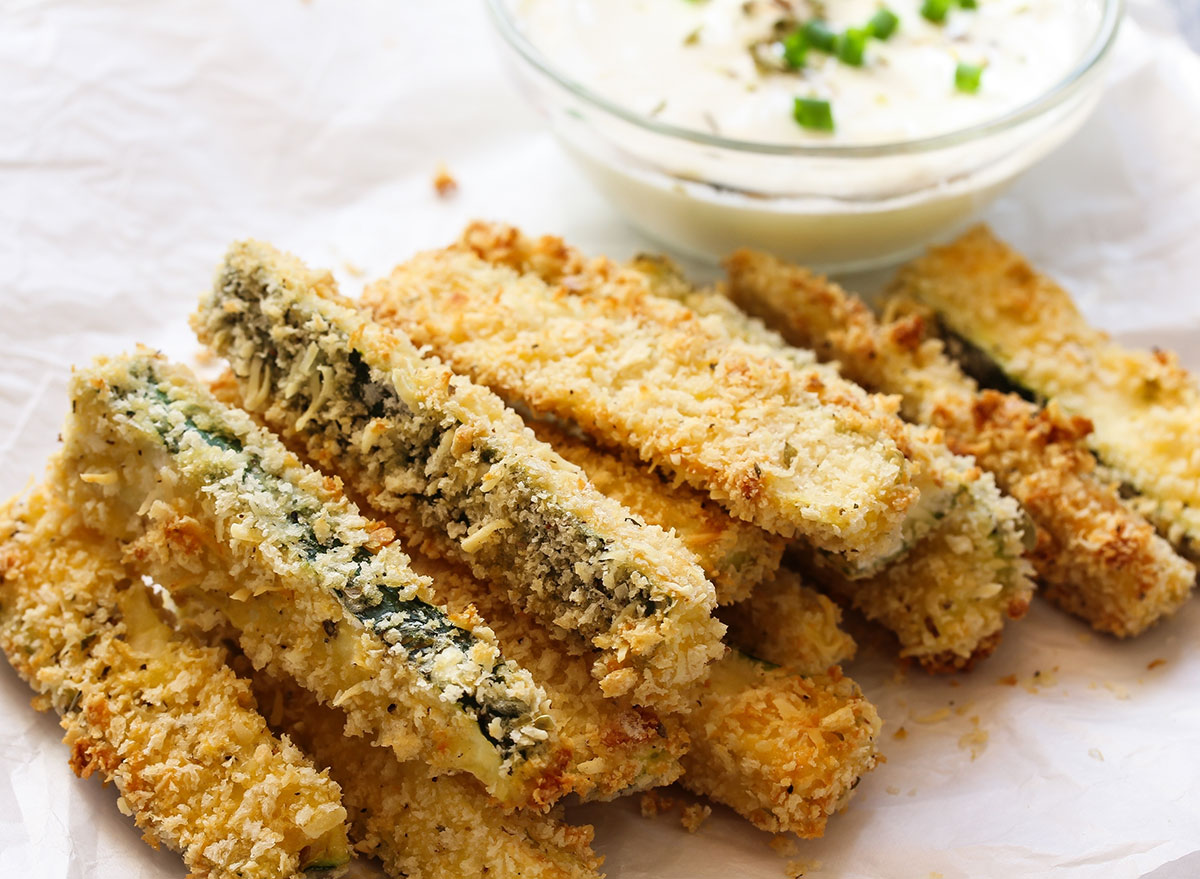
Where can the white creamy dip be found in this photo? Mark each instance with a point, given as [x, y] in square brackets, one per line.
[689, 62]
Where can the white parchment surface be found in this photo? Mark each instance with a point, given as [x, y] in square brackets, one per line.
[138, 138]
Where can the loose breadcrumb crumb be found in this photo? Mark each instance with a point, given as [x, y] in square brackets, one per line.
[694, 816]
[444, 183]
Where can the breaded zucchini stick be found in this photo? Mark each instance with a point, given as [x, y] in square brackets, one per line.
[734, 554]
[1093, 556]
[948, 599]
[782, 750]
[160, 716]
[446, 455]
[789, 624]
[790, 450]
[219, 512]
[421, 827]
[614, 746]
[1143, 406]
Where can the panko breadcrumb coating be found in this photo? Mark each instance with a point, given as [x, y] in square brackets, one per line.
[789, 624]
[741, 749]
[148, 709]
[948, 599]
[778, 446]
[420, 827]
[734, 554]
[782, 750]
[445, 454]
[611, 746]
[615, 747]
[1144, 408]
[218, 511]
[1093, 556]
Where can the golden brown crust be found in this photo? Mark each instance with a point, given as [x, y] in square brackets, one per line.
[790, 625]
[160, 716]
[1094, 557]
[784, 751]
[797, 452]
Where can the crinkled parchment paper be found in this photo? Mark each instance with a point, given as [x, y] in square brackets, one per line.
[137, 139]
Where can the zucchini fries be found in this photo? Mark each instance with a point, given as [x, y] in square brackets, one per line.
[449, 458]
[1093, 556]
[160, 716]
[797, 452]
[219, 512]
[947, 600]
[1143, 407]
[421, 827]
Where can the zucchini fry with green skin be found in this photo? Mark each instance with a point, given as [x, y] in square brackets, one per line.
[789, 624]
[148, 709]
[1093, 556]
[734, 554]
[786, 449]
[947, 600]
[421, 827]
[446, 455]
[782, 750]
[1144, 408]
[614, 746]
[220, 513]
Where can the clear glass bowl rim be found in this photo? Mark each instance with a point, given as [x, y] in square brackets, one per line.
[1096, 50]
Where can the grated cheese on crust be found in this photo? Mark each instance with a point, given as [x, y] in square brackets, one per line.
[446, 455]
[421, 827]
[219, 512]
[1144, 408]
[778, 446]
[157, 714]
[735, 555]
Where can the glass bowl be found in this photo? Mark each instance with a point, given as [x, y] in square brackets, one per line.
[834, 207]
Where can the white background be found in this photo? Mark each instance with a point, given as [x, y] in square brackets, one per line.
[137, 139]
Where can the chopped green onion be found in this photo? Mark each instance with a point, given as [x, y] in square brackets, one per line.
[819, 35]
[795, 50]
[883, 23]
[935, 10]
[849, 46]
[814, 114]
[967, 77]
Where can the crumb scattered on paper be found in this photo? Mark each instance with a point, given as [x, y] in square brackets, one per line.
[1095, 754]
[975, 740]
[900, 734]
[1155, 663]
[1118, 690]
[354, 271]
[893, 790]
[654, 802]
[1008, 680]
[963, 709]
[444, 183]
[694, 816]
[783, 845]
[796, 869]
[934, 716]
